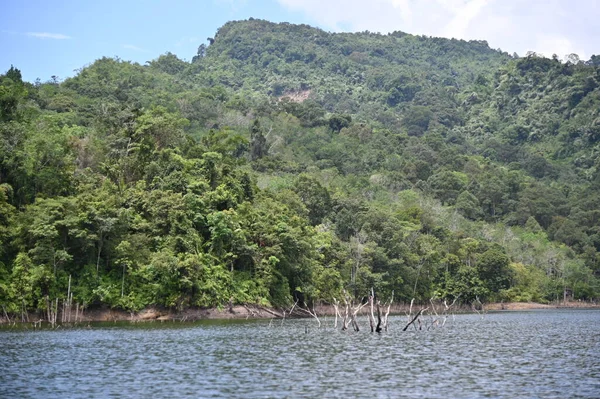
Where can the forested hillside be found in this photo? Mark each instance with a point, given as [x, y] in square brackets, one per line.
[287, 161]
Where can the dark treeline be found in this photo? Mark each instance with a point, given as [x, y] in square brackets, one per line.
[286, 162]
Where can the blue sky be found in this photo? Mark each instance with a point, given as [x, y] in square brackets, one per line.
[46, 38]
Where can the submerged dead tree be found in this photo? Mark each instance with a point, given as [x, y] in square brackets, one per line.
[382, 323]
[444, 316]
[350, 313]
[299, 311]
[371, 315]
[378, 313]
[414, 319]
[436, 320]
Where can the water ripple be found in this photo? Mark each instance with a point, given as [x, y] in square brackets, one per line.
[541, 354]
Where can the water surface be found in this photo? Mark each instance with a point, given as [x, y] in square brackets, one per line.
[534, 354]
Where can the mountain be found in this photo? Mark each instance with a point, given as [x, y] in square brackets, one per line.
[285, 162]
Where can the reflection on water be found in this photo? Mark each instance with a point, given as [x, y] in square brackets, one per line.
[537, 354]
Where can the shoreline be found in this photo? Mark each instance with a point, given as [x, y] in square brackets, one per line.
[508, 306]
[239, 312]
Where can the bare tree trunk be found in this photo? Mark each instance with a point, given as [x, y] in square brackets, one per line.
[355, 324]
[371, 315]
[346, 315]
[447, 308]
[70, 307]
[435, 320]
[387, 313]
[5, 314]
[414, 319]
[275, 314]
[410, 308]
[354, 313]
[378, 328]
[482, 308]
[48, 310]
[69, 296]
[337, 311]
[313, 313]
[55, 311]
[292, 309]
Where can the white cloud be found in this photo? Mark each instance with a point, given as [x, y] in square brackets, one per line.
[544, 26]
[463, 14]
[404, 7]
[561, 46]
[47, 35]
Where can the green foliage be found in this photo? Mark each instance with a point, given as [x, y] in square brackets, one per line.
[528, 284]
[338, 122]
[417, 119]
[314, 196]
[285, 161]
[12, 92]
[258, 142]
[447, 185]
[493, 268]
[468, 205]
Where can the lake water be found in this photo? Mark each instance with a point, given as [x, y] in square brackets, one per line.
[534, 354]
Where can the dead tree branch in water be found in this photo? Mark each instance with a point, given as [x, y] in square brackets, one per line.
[477, 310]
[292, 309]
[435, 320]
[337, 312]
[271, 312]
[350, 314]
[382, 324]
[387, 313]
[447, 308]
[371, 315]
[414, 318]
[346, 314]
[357, 309]
[289, 312]
[6, 314]
[313, 313]
[378, 328]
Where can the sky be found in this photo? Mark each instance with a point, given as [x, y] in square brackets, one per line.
[45, 38]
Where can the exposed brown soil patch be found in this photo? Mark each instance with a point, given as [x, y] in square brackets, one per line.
[235, 312]
[534, 305]
[259, 312]
[297, 96]
[150, 314]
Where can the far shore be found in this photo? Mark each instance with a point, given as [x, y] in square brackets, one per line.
[260, 312]
[534, 305]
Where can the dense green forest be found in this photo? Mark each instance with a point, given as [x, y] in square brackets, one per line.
[285, 161]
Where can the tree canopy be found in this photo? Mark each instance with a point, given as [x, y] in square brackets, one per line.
[285, 160]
